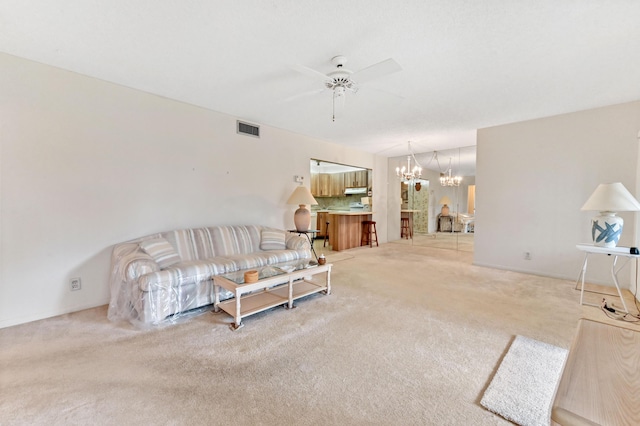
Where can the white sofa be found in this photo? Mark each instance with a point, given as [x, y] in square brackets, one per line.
[159, 277]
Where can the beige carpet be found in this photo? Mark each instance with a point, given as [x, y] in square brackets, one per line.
[443, 240]
[410, 335]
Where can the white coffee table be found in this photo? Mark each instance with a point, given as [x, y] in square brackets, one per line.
[274, 287]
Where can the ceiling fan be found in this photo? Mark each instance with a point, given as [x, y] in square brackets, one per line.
[341, 79]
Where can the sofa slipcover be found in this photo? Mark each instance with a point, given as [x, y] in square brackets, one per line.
[160, 277]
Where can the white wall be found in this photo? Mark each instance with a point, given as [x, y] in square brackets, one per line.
[532, 179]
[85, 164]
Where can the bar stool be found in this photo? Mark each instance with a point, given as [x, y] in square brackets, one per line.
[326, 236]
[369, 233]
[405, 229]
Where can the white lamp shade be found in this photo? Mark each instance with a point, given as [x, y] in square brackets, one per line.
[302, 195]
[611, 197]
[444, 200]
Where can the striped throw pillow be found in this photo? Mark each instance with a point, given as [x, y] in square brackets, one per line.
[161, 251]
[272, 239]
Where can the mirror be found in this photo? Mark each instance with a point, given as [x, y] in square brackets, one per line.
[436, 214]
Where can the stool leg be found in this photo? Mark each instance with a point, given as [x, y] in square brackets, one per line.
[375, 232]
[326, 236]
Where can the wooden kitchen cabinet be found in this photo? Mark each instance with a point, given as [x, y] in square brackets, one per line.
[337, 184]
[315, 182]
[321, 224]
[321, 184]
[327, 184]
[358, 179]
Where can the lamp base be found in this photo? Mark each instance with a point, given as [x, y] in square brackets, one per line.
[302, 218]
[606, 229]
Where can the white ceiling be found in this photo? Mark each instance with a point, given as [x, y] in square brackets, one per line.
[466, 64]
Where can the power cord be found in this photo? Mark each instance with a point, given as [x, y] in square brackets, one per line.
[613, 313]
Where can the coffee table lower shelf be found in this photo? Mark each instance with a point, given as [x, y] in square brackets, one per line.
[290, 287]
[253, 303]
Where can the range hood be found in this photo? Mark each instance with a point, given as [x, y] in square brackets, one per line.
[352, 191]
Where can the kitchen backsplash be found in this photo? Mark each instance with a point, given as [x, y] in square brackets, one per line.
[336, 203]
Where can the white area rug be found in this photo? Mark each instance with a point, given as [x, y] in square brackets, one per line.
[523, 386]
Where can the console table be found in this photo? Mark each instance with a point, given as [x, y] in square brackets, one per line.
[600, 383]
[616, 252]
[445, 223]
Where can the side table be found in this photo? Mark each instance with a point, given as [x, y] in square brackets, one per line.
[311, 236]
[616, 252]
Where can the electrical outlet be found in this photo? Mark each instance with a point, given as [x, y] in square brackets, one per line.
[299, 179]
[76, 284]
[527, 255]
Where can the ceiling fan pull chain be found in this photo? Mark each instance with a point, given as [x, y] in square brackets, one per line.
[333, 109]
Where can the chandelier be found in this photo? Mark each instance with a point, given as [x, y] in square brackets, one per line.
[447, 180]
[409, 173]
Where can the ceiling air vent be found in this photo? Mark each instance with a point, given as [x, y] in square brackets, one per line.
[247, 129]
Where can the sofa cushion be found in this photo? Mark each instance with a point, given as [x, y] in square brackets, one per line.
[264, 258]
[161, 251]
[272, 239]
[185, 273]
[236, 240]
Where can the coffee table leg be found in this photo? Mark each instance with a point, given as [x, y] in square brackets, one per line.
[291, 305]
[328, 290]
[237, 319]
[235, 326]
[216, 300]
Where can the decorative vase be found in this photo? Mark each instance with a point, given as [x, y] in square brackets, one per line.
[302, 218]
[606, 229]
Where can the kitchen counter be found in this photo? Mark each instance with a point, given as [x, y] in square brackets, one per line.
[345, 228]
[349, 212]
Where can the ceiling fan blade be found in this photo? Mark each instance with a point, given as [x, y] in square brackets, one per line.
[303, 95]
[311, 73]
[374, 71]
[382, 91]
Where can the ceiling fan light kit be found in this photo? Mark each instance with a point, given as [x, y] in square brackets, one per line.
[342, 79]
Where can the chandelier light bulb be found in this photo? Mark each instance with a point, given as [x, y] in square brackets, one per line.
[447, 180]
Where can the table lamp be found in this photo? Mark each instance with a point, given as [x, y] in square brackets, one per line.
[302, 217]
[609, 198]
[445, 208]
